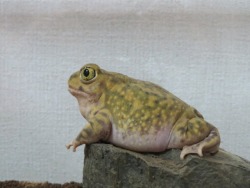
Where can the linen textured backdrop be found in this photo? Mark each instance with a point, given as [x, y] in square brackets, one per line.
[198, 50]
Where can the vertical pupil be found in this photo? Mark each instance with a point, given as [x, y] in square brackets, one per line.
[86, 72]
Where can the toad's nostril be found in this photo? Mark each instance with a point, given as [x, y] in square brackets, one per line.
[80, 88]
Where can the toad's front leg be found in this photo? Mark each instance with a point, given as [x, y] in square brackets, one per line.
[95, 131]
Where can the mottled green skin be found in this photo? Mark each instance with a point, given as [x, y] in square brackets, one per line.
[138, 115]
[140, 106]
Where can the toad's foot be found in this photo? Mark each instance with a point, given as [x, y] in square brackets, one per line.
[194, 149]
[197, 149]
[74, 144]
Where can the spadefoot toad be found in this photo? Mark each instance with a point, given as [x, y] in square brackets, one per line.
[137, 115]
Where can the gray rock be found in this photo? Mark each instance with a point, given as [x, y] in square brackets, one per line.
[108, 166]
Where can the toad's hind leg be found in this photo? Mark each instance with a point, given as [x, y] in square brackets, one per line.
[209, 145]
[196, 136]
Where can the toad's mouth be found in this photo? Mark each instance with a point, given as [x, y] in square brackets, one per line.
[77, 92]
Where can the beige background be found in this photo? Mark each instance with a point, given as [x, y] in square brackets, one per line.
[199, 50]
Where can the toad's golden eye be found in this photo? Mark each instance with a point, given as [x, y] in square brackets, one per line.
[87, 74]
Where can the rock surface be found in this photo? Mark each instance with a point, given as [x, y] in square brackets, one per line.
[108, 166]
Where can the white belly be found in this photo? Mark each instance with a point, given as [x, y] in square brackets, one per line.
[151, 142]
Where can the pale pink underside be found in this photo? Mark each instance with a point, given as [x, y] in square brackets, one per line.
[156, 142]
